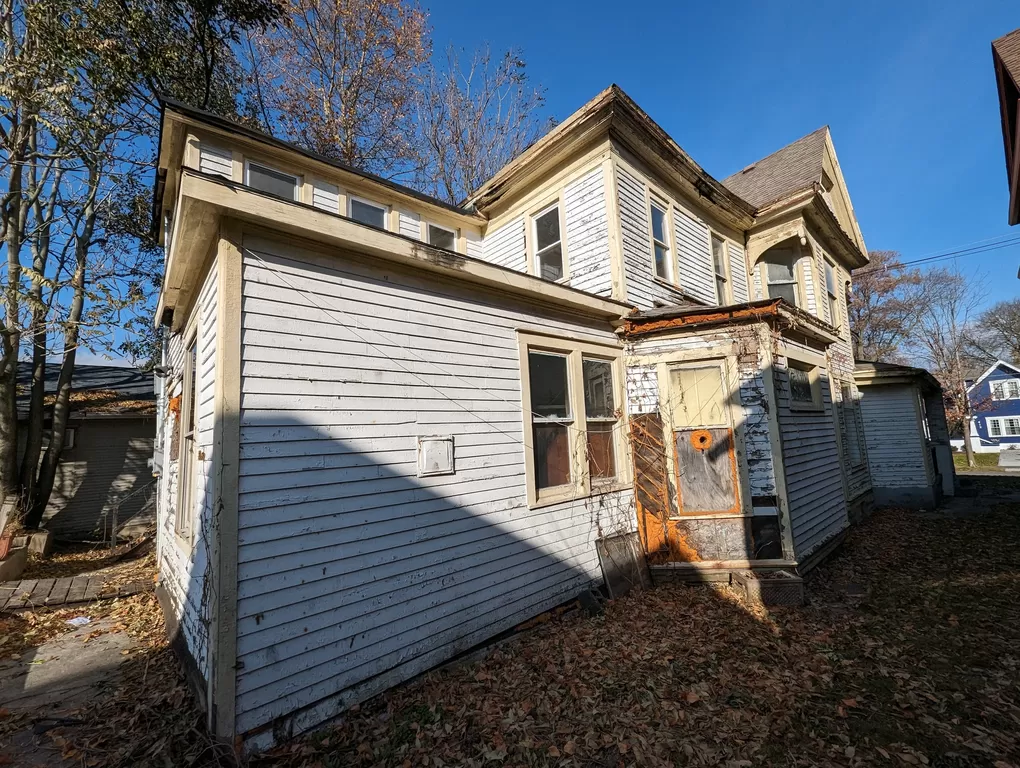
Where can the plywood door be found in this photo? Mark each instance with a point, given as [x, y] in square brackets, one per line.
[703, 437]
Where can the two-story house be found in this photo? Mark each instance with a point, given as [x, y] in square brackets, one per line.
[394, 428]
[995, 404]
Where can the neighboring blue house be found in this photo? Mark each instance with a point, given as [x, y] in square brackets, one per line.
[995, 400]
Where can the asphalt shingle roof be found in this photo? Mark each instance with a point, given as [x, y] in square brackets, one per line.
[1008, 48]
[112, 386]
[791, 169]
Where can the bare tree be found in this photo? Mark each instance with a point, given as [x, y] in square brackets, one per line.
[996, 334]
[474, 117]
[949, 308]
[340, 77]
[887, 298]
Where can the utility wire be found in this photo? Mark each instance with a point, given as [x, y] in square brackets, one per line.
[972, 250]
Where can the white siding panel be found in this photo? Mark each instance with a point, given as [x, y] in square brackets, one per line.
[584, 202]
[505, 246]
[183, 571]
[814, 483]
[811, 305]
[894, 436]
[410, 224]
[215, 160]
[475, 245]
[326, 196]
[697, 274]
[738, 274]
[643, 290]
[354, 574]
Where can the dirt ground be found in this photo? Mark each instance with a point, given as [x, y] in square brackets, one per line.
[908, 654]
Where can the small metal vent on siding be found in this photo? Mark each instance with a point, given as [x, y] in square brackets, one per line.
[215, 160]
[326, 196]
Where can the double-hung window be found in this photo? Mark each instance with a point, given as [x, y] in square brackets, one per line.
[367, 212]
[572, 421]
[661, 254]
[781, 276]
[272, 181]
[441, 237]
[831, 295]
[187, 450]
[719, 264]
[1004, 427]
[1006, 389]
[548, 245]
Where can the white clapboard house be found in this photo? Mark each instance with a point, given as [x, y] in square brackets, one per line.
[393, 428]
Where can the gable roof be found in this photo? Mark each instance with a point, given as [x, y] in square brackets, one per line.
[794, 168]
[1006, 59]
[107, 389]
[990, 370]
[873, 372]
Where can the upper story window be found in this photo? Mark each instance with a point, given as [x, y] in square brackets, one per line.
[719, 262]
[272, 181]
[548, 244]
[781, 279]
[1006, 389]
[660, 242]
[367, 212]
[441, 237]
[830, 293]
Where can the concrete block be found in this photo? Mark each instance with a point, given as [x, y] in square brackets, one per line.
[39, 542]
[12, 566]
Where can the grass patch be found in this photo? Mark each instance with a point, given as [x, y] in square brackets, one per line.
[984, 461]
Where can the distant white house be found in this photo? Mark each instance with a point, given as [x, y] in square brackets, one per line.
[394, 428]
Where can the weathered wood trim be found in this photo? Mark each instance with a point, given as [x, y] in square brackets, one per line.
[617, 270]
[226, 437]
[768, 356]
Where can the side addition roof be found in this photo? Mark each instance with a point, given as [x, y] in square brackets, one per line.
[96, 389]
[794, 168]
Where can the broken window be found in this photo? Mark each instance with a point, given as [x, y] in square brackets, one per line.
[660, 242]
[781, 276]
[266, 179]
[548, 248]
[719, 262]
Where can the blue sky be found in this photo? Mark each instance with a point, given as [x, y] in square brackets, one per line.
[907, 89]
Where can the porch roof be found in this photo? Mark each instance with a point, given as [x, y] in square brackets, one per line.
[682, 316]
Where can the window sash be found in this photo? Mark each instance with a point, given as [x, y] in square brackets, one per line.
[366, 206]
[186, 466]
[661, 259]
[1006, 389]
[547, 267]
[272, 179]
[435, 232]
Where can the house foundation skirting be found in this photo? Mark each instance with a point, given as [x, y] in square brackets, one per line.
[713, 571]
[192, 673]
[919, 496]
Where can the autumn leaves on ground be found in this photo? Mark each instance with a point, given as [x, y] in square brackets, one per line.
[909, 654]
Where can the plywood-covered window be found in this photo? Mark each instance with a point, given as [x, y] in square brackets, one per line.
[721, 267]
[571, 397]
[661, 252]
[548, 243]
[698, 396]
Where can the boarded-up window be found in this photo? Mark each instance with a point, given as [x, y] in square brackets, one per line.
[699, 397]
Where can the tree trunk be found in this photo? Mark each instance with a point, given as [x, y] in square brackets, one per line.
[36, 412]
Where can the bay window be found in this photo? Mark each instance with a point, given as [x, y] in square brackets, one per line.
[781, 279]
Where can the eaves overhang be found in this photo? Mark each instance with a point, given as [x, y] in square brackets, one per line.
[204, 200]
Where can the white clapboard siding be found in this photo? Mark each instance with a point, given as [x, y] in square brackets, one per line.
[215, 160]
[896, 448]
[756, 281]
[738, 274]
[354, 574]
[183, 570]
[410, 224]
[814, 483]
[697, 273]
[326, 196]
[587, 236]
[475, 244]
[643, 290]
[505, 246]
[809, 285]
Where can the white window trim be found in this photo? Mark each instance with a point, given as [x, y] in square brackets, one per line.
[425, 234]
[832, 299]
[797, 282]
[728, 288]
[248, 163]
[351, 199]
[532, 245]
[671, 256]
[1004, 382]
[1000, 423]
[184, 513]
[581, 485]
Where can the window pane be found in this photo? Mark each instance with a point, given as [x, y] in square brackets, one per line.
[997, 390]
[547, 229]
[800, 386]
[552, 455]
[442, 238]
[830, 279]
[189, 425]
[1012, 427]
[601, 457]
[661, 262]
[720, 289]
[786, 291]
[550, 263]
[548, 378]
[273, 182]
[781, 272]
[834, 317]
[993, 428]
[719, 256]
[598, 389]
[369, 214]
[658, 223]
